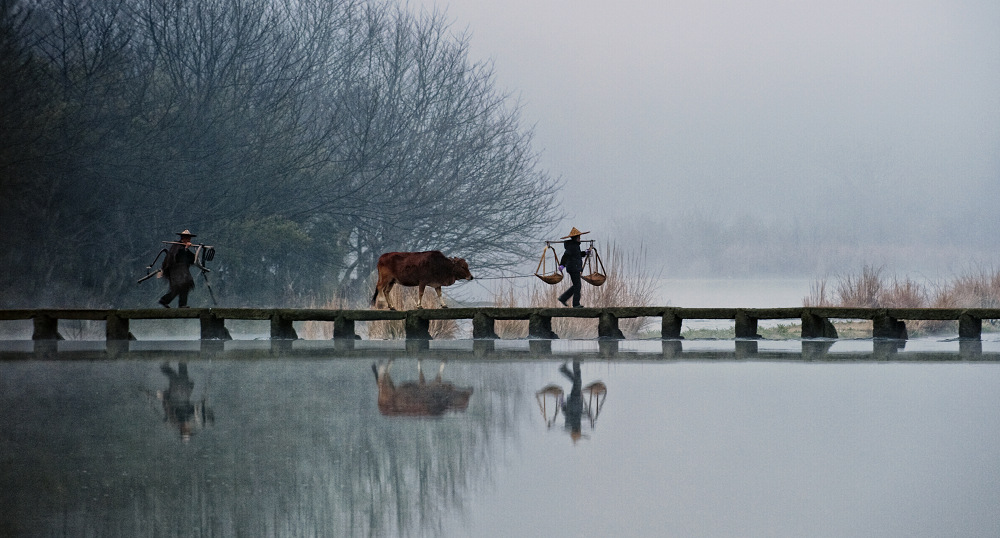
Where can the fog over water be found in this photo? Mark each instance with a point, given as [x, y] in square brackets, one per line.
[850, 132]
[692, 439]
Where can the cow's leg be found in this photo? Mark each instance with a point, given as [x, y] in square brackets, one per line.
[385, 294]
[382, 375]
[440, 297]
[383, 279]
[420, 295]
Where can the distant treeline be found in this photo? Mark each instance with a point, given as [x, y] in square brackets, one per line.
[699, 245]
[302, 139]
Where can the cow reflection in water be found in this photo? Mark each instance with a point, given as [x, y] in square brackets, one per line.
[178, 409]
[573, 406]
[418, 398]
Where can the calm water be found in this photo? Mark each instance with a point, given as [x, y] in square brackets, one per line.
[709, 438]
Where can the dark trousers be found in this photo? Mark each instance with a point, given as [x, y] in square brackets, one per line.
[574, 290]
[182, 293]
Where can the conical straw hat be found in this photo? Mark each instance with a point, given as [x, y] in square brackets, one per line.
[188, 233]
[573, 233]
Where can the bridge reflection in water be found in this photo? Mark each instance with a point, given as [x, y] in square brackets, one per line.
[877, 349]
[701, 438]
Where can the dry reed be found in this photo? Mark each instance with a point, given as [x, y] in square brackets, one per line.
[863, 290]
[873, 289]
[322, 330]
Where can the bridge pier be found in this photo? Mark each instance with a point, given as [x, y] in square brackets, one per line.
[343, 329]
[213, 327]
[540, 326]
[46, 328]
[117, 328]
[814, 326]
[282, 328]
[417, 327]
[746, 325]
[885, 326]
[483, 327]
[970, 327]
[670, 328]
[607, 327]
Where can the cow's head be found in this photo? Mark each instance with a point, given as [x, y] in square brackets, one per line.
[461, 269]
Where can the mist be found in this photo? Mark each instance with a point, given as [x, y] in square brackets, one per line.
[872, 127]
[718, 139]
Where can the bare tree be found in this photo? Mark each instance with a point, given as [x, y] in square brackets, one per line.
[433, 157]
[304, 137]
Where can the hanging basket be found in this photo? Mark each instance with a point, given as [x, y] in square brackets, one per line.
[596, 277]
[553, 278]
[541, 271]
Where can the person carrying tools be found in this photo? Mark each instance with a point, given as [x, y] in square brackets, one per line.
[176, 268]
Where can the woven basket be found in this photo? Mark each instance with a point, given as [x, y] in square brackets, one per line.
[542, 272]
[553, 278]
[596, 267]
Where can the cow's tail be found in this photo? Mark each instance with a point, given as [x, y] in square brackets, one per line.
[375, 297]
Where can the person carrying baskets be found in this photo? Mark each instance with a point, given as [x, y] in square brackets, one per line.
[572, 262]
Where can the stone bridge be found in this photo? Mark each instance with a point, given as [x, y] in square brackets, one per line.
[889, 323]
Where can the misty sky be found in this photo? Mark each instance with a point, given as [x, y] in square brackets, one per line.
[860, 113]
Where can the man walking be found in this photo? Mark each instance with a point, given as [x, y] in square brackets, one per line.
[176, 269]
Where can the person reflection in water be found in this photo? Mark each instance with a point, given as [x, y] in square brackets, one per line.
[573, 405]
[178, 409]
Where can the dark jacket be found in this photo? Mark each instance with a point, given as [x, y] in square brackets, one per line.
[177, 267]
[572, 257]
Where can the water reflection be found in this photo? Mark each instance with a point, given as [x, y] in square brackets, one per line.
[178, 410]
[813, 433]
[879, 349]
[418, 399]
[573, 407]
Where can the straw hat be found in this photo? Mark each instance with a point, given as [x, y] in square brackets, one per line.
[573, 233]
[189, 234]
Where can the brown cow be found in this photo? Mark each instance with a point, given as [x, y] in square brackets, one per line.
[418, 399]
[421, 269]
